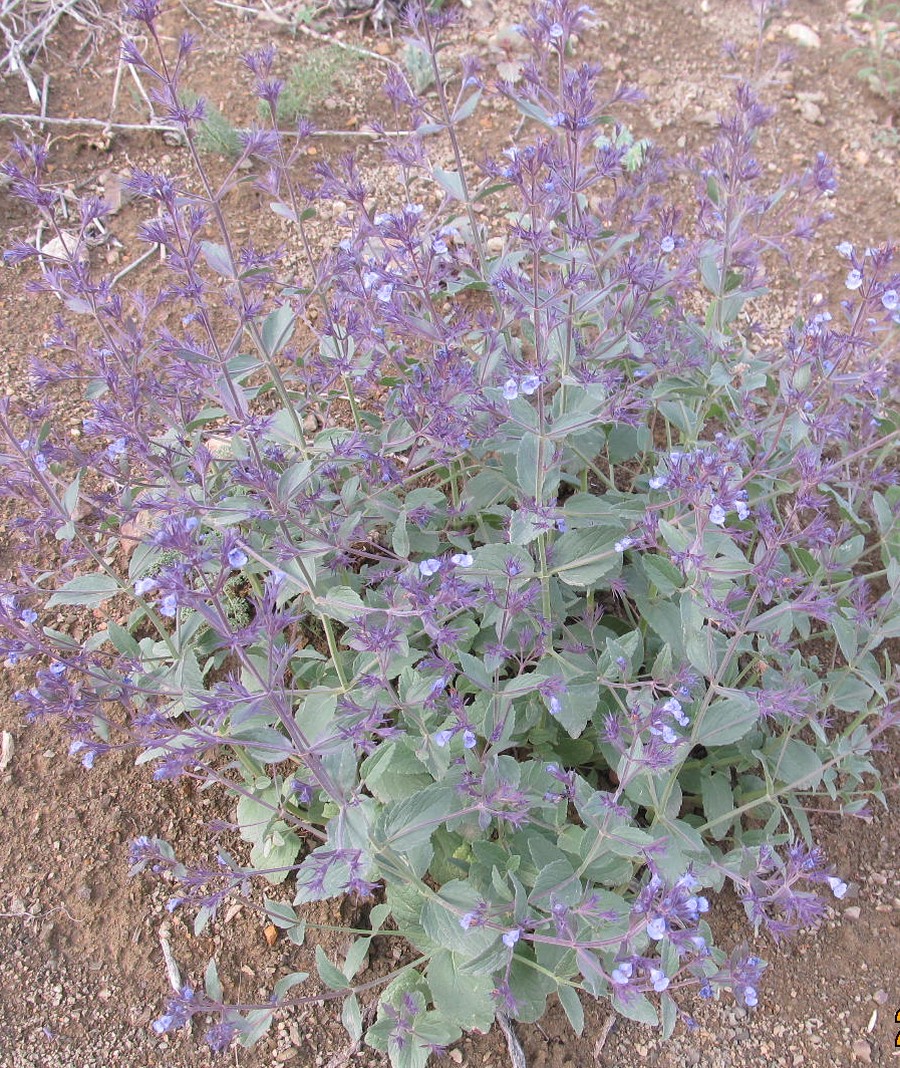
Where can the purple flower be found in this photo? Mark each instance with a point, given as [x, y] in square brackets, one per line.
[844, 249]
[658, 482]
[467, 920]
[29, 616]
[889, 299]
[429, 567]
[667, 244]
[717, 515]
[117, 448]
[168, 606]
[442, 738]
[659, 979]
[469, 739]
[530, 384]
[555, 705]
[510, 389]
[144, 586]
[623, 543]
[462, 560]
[621, 974]
[854, 279]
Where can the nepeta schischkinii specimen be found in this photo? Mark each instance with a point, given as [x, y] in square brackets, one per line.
[535, 593]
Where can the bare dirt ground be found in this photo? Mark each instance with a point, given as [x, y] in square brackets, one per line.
[81, 969]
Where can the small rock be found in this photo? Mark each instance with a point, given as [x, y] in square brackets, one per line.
[7, 748]
[811, 112]
[456, 1056]
[852, 912]
[862, 1051]
[691, 1057]
[880, 997]
[495, 245]
[804, 35]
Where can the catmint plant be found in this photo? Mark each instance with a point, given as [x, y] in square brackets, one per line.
[533, 594]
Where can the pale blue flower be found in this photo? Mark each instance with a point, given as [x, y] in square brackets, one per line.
[237, 558]
[623, 543]
[530, 384]
[656, 928]
[168, 606]
[890, 299]
[511, 937]
[429, 567]
[838, 887]
[443, 737]
[717, 515]
[854, 279]
[667, 244]
[462, 560]
[659, 979]
[510, 389]
[144, 586]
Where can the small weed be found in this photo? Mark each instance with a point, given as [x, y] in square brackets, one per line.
[882, 51]
[311, 81]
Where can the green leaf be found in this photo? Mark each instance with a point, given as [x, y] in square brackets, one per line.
[400, 536]
[351, 1018]
[277, 329]
[636, 1008]
[662, 573]
[796, 763]
[571, 1002]
[211, 982]
[122, 640]
[451, 182]
[718, 801]
[393, 772]
[441, 917]
[726, 721]
[528, 454]
[343, 604]
[330, 975]
[218, 259]
[87, 590]
[465, 999]
[584, 557]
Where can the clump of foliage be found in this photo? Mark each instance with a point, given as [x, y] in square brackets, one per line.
[311, 81]
[882, 50]
[567, 616]
[214, 133]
